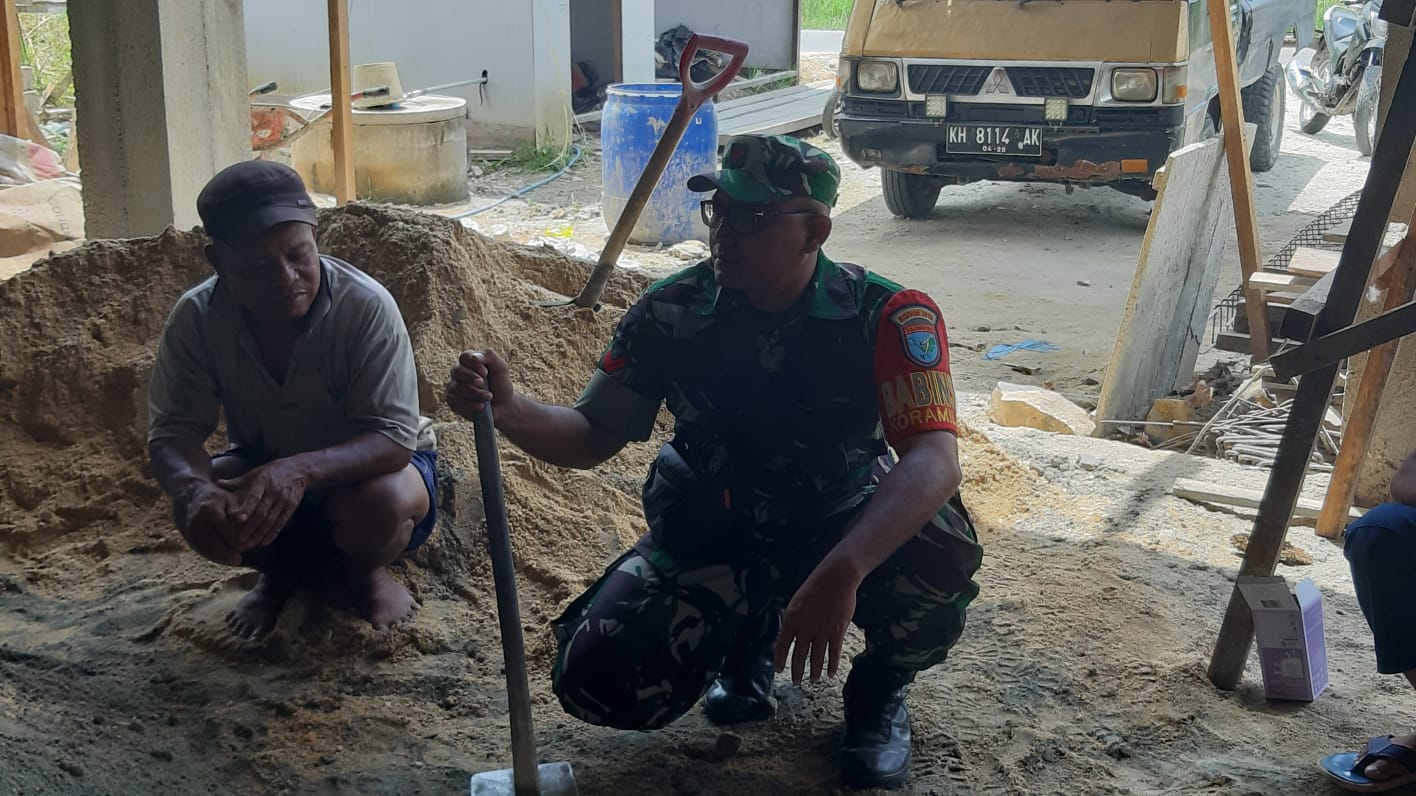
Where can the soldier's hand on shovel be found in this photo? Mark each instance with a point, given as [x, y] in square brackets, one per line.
[479, 377]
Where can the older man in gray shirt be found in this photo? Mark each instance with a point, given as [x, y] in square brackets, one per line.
[329, 476]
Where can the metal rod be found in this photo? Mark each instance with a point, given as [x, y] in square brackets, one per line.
[518, 689]
[444, 87]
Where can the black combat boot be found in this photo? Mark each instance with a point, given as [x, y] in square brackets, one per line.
[876, 749]
[743, 690]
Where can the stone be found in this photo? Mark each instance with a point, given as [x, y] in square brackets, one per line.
[1018, 405]
[689, 250]
[1172, 411]
[726, 746]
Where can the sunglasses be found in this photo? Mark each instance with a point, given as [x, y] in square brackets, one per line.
[742, 220]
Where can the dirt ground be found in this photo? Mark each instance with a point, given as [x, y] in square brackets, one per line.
[1081, 671]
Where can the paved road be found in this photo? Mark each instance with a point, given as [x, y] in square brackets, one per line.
[815, 42]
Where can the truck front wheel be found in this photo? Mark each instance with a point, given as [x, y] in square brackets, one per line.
[1263, 106]
[909, 195]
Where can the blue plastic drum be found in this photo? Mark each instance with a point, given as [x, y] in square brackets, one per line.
[634, 116]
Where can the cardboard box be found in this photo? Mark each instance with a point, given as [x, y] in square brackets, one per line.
[1288, 626]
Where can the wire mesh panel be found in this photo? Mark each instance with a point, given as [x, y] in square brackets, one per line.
[1312, 236]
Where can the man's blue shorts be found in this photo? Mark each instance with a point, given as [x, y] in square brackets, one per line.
[1381, 547]
[427, 464]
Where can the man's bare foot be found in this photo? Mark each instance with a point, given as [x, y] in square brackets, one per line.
[254, 616]
[381, 599]
[1383, 770]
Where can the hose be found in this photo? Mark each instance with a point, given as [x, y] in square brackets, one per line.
[574, 156]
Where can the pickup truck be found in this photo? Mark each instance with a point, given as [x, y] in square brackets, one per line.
[1081, 93]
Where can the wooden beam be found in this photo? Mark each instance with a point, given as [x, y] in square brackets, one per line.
[1241, 179]
[342, 117]
[1331, 349]
[1300, 316]
[1305, 417]
[1362, 420]
[14, 117]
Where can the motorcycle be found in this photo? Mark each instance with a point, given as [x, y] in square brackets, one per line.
[1341, 73]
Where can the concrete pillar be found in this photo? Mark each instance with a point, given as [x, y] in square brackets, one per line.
[550, 47]
[637, 40]
[161, 90]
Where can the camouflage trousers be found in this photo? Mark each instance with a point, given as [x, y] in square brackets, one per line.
[644, 643]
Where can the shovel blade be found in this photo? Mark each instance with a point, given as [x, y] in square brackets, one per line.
[556, 780]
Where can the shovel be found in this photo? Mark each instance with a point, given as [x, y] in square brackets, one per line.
[693, 97]
[524, 778]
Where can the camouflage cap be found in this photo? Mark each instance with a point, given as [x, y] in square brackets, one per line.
[761, 169]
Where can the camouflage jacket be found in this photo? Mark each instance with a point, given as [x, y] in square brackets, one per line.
[777, 417]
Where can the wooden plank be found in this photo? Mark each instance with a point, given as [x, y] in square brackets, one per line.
[14, 117]
[1241, 179]
[1224, 495]
[1338, 234]
[342, 131]
[1361, 422]
[742, 105]
[800, 112]
[749, 104]
[1233, 342]
[733, 108]
[1305, 414]
[1268, 280]
[794, 110]
[1316, 263]
[1298, 320]
[763, 80]
[1173, 288]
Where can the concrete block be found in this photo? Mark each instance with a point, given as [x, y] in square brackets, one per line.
[1019, 405]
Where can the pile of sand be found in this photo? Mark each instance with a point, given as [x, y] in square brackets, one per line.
[80, 333]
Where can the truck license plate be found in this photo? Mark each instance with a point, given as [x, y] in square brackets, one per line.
[987, 139]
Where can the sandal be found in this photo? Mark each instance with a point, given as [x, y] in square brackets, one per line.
[1345, 768]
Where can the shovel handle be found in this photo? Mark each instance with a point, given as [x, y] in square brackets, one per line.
[518, 689]
[692, 98]
[698, 93]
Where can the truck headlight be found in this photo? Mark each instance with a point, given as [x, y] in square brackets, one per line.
[877, 77]
[1133, 85]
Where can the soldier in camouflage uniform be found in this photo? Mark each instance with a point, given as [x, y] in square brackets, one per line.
[778, 512]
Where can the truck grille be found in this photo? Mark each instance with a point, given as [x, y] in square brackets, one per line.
[1051, 81]
[959, 81]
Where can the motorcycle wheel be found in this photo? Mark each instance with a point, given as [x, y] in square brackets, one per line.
[1364, 118]
[1311, 120]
